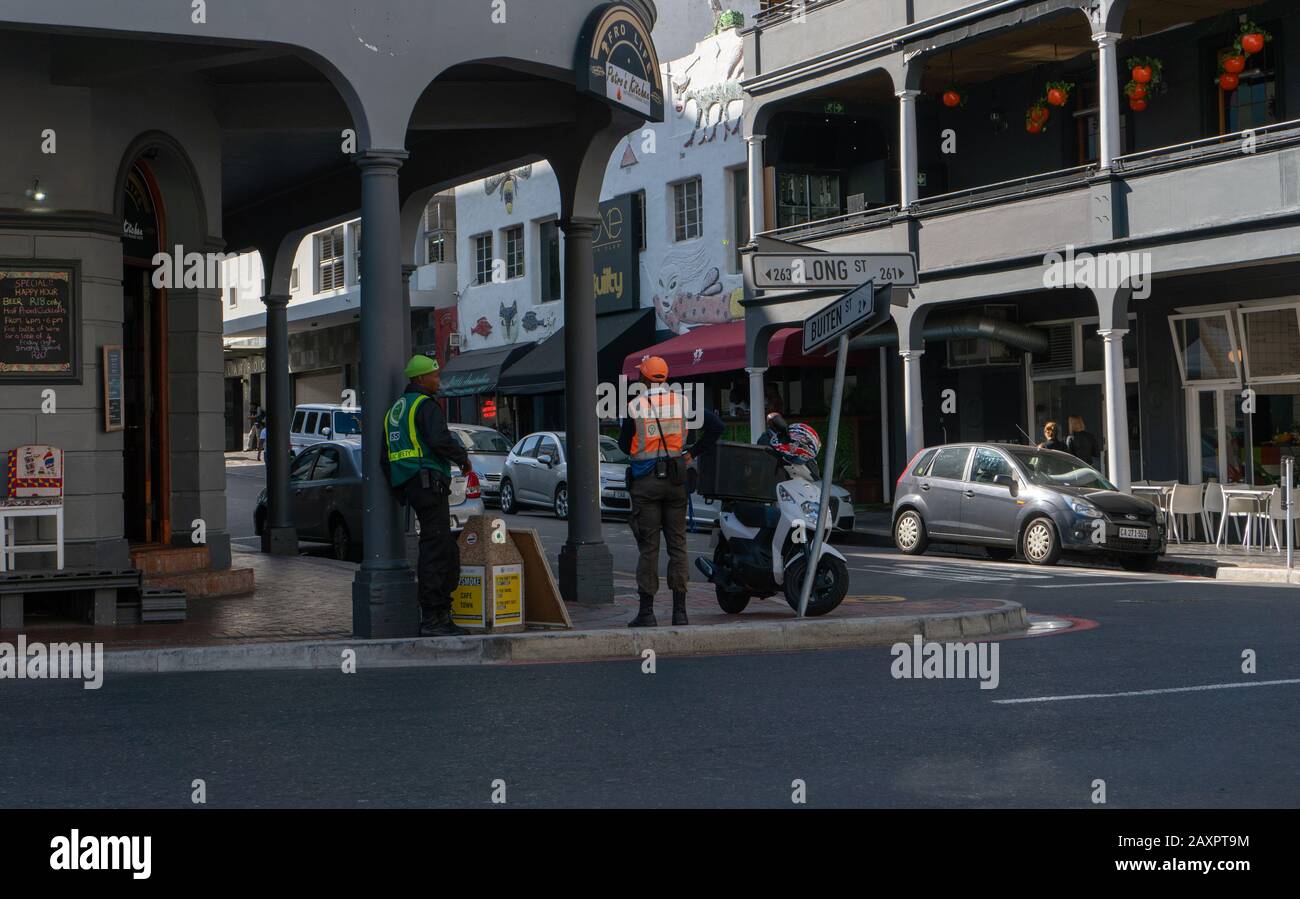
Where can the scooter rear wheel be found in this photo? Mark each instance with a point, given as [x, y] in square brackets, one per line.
[829, 588]
[731, 602]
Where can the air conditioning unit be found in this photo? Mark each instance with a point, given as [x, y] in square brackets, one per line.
[1059, 357]
[454, 340]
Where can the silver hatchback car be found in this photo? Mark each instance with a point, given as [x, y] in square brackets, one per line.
[537, 474]
[1012, 499]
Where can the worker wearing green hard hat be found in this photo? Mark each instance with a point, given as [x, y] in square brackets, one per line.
[421, 451]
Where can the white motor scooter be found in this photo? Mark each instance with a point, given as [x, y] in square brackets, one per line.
[760, 549]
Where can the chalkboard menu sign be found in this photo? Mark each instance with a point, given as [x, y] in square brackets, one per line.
[38, 322]
[112, 369]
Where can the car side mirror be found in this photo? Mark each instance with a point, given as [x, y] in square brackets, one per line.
[546, 459]
[1006, 480]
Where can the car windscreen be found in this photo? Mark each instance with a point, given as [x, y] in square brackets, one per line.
[347, 423]
[483, 441]
[1048, 468]
[609, 451]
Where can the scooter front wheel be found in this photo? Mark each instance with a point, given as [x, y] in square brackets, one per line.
[731, 601]
[829, 588]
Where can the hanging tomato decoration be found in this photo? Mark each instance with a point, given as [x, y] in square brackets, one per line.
[1033, 127]
[1142, 74]
[1136, 91]
[1058, 92]
[1234, 65]
[1039, 113]
[1137, 104]
[953, 98]
[1228, 82]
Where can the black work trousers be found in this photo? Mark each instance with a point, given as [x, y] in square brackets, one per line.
[439, 564]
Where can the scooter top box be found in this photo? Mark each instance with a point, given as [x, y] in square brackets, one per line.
[743, 471]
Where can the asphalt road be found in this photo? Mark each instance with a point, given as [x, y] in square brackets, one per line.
[1146, 692]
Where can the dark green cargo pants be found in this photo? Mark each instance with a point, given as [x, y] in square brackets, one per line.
[658, 506]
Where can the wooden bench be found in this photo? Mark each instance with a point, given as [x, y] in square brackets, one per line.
[103, 583]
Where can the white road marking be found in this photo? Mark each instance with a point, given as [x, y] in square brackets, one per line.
[1198, 689]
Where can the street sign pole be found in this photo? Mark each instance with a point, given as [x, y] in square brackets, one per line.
[1288, 486]
[823, 508]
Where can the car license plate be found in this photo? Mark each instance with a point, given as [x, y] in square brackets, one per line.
[1133, 533]
[619, 494]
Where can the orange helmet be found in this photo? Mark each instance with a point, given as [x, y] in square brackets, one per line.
[654, 369]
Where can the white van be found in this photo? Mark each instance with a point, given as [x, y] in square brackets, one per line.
[317, 422]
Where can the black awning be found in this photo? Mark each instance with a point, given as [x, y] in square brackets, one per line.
[478, 371]
[617, 335]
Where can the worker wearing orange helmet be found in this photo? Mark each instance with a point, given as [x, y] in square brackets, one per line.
[654, 436]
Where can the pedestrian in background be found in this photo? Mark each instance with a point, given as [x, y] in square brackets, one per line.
[421, 451]
[1083, 444]
[654, 436]
[1052, 441]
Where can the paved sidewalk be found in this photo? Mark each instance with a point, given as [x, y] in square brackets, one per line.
[301, 613]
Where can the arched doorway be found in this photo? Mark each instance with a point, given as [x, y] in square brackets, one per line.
[146, 488]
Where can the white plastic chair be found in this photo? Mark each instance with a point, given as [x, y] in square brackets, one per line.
[1238, 508]
[1213, 506]
[1187, 500]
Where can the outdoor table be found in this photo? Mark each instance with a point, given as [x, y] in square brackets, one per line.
[1260, 496]
[1162, 494]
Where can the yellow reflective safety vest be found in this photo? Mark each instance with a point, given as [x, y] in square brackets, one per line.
[407, 453]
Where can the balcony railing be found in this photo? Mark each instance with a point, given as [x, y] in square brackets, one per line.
[1016, 188]
[1207, 149]
[774, 12]
[853, 221]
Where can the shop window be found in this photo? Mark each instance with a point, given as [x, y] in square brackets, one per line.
[329, 260]
[803, 197]
[514, 238]
[355, 228]
[1271, 338]
[688, 220]
[1207, 349]
[1094, 347]
[483, 259]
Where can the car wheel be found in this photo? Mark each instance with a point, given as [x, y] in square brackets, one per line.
[345, 549]
[909, 533]
[1039, 543]
[1000, 553]
[1143, 562]
[508, 497]
[562, 502]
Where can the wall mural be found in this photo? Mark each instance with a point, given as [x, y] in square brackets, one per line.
[707, 85]
[691, 291]
[508, 183]
[508, 316]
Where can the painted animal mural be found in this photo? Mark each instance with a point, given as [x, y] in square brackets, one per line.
[508, 182]
[533, 322]
[689, 291]
[709, 85]
[482, 327]
[508, 315]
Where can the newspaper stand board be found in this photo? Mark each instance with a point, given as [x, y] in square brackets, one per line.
[490, 597]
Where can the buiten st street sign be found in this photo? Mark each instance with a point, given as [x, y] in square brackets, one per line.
[858, 310]
[792, 271]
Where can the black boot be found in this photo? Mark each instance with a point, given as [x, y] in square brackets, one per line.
[438, 623]
[645, 617]
[679, 608]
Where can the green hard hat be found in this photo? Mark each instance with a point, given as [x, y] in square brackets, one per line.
[420, 365]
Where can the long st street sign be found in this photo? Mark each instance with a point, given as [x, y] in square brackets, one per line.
[792, 271]
[862, 309]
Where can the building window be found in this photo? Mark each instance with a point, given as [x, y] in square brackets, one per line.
[549, 233]
[439, 228]
[356, 252]
[740, 214]
[329, 260]
[483, 259]
[435, 246]
[232, 297]
[515, 251]
[293, 280]
[806, 197]
[687, 221]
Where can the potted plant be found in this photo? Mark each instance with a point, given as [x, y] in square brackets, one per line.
[1058, 92]
[953, 97]
[1252, 38]
[1145, 69]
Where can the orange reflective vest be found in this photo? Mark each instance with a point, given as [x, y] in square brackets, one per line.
[660, 425]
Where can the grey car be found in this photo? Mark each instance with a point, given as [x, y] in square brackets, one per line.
[1017, 499]
[487, 448]
[537, 474]
[325, 490]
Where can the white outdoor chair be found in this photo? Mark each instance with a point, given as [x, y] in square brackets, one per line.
[1238, 509]
[33, 489]
[1277, 514]
[1213, 506]
[1187, 500]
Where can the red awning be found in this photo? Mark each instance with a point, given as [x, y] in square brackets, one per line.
[713, 348]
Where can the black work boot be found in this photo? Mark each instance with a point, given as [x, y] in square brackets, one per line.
[679, 608]
[645, 617]
[439, 624]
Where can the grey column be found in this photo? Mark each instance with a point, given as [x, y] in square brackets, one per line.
[757, 404]
[1108, 102]
[407, 272]
[1116, 407]
[757, 199]
[384, 592]
[279, 536]
[586, 564]
[907, 158]
[913, 422]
